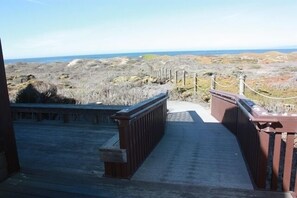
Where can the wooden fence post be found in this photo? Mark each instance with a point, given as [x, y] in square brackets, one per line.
[176, 77]
[184, 78]
[213, 82]
[241, 85]
[195, 83]
[170, 75]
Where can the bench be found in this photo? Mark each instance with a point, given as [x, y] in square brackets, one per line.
[110, 151]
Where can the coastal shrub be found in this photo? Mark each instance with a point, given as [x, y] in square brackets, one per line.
[255, 67]
[41, 92]
[125, 80]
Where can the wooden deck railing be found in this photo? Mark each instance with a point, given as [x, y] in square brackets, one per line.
[266, 140]
[96, 114]
[141, 127]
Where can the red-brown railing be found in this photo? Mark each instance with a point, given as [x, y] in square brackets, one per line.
[74, 113]
[141, 127]
[266, 139]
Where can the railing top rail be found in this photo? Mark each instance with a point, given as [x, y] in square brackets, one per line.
[63, 107]
[249, 112]
[140, 107]
[225, 95]
[271, 122]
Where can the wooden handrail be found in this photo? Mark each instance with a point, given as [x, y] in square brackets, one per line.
[140, 108]
[224, 96]
[266, 139]
[141, 127]
[100, 113]
[63, 107]
[253, 119]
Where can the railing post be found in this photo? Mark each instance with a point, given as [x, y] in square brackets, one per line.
[288, 161]
[7, 137]
[213, 82]
[241, 85]
[170, 75]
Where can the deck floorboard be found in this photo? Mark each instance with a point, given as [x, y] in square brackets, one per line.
[61, 148]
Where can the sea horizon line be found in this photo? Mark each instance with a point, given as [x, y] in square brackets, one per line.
[67, 58]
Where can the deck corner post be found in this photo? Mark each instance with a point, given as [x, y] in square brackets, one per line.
[6, 128]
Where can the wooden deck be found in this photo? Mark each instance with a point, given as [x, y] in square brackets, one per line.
[61, 147]
[62, 160]
[197, 152]
[51, 185]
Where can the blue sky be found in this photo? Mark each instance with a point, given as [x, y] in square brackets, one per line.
[40, 28]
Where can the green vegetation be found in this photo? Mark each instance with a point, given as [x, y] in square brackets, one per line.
[231, 84]
[149, 56]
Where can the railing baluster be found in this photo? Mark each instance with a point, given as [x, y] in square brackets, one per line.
[263, 158]
[138, 134]
[276, 160]
[288, 162]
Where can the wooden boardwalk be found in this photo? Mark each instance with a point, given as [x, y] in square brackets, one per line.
[195, 150]
[62, 160]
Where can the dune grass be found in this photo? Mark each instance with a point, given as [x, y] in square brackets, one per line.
[231, 84]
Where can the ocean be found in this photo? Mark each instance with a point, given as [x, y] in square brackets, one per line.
[138, 54]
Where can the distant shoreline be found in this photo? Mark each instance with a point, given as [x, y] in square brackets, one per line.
[138, 54]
